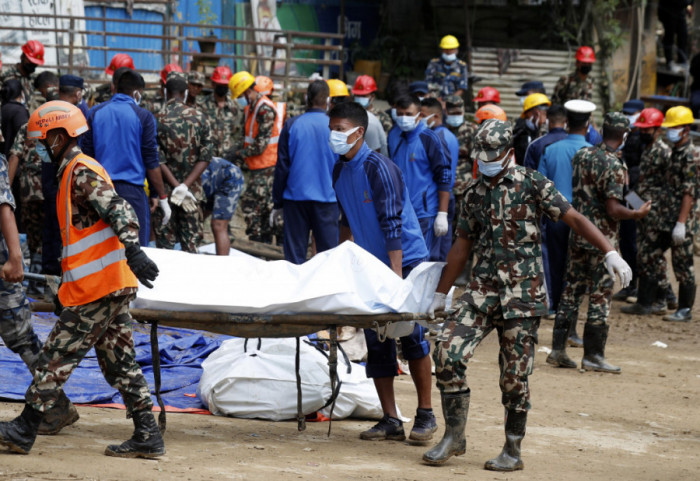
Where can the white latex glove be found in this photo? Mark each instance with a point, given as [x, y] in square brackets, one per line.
[167, 211]
[616, 264]
[440, 225]
[438, 304]
[678, 234]
[275, 217]
[178, 194]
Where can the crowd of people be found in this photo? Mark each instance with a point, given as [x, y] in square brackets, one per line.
[537, 207]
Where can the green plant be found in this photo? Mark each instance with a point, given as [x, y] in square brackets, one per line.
[206, 16]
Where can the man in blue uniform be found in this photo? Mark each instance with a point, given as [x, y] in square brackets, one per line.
[377, 214]
[447, 73]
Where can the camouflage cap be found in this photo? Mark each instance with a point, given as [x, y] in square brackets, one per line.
[454, 101]
[492, 139]
[616, 120]
[196, 78]
[176, 76]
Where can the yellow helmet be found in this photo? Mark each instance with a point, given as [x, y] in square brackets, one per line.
[449, 42]
[239, 83]
[676, 116]
[337, 88]
[534, 100]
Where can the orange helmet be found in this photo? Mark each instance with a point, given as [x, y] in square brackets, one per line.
[488, 94]
[221, 75]
[118, 61]
[490, 112]
[34, 51]
[364, 85]
[263, 85]
[585, 55]
[649, 117]
[171, 67]
[55, 115]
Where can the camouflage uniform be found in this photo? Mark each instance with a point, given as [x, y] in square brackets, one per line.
[101, 94]
[38, 99]
[226, 125]
[32, 197]
[571, 87]
[154, 103]
[696, 205]
[104, 324]
[296, 104]
[12, 71]
[384, 118]
[15, 318]
[449, 77]
[507, 292]
[184, 138]
[222, 183]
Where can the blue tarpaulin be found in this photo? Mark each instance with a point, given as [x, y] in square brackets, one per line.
[182, 352]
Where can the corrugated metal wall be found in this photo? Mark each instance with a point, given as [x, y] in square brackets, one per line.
[544, 65]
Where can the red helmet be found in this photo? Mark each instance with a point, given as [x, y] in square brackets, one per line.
[488, 94]
[118, 61]
[171, 67]
[585, 54]
[650, 117]
[221, 75]
[34, 51]
[364, 85]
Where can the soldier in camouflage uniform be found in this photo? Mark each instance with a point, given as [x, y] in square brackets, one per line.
[500, 222]
[32, 57]
[222, 183]
[225, 115]
[578, 85]
[45, 88]
[599, 178]
[185, 144]
[102, 322]
[195, 84]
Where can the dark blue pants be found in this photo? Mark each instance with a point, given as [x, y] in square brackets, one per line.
[304, 217]
[628, 244]
[446, 240]
[557, 241]
[135, 195]
[432, 242]
[51, 233]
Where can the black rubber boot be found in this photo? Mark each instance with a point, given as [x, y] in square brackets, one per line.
[594, 339]
[509, 459]
[19, 434]
[686, 299]
[146, 442]
[62, 414]
[670, 298]
[558, 356]
[574, 340]
[455, 408]
[646, 295]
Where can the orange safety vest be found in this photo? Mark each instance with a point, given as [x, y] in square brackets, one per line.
[269, 156]
[94, 262]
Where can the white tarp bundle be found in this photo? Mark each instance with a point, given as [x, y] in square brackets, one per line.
[247, 380]
[344, 280]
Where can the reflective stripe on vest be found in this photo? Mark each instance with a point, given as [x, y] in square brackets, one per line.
[93, 267]
[268, 157]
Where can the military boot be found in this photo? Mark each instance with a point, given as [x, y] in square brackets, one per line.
[670, 298]
[455, 408]
[594, 339]
[574, 340]
[19, 434]
[646, 295]
[146, 442]
[558, 356]
[686, 295]
[62, 414]
[509, 459]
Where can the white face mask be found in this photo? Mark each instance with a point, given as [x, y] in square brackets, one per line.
[137, 97]
[522, 100]
[339, 141]
[674, 134]
[633, 118]
[393, 115]
[364, 101]
[406, 122]
[492, 169]
[454, 120]
[426, 121]
[449, 57]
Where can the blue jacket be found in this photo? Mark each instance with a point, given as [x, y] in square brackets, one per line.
[556, 162]
[450, 145]
[304, 160]
[536, 149]
[122, 137]
[592, 136]
[426, 169]
[372, 199]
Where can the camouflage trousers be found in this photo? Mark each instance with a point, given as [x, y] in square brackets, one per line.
[18, 335]
[464, 331]
[33, 222]
[104, 324]
[650, 258]
[256, 204]
[187, 228]
[586, 272]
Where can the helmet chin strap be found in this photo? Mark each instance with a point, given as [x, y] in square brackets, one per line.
[56, 159]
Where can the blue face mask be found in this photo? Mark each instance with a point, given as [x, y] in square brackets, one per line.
[674, 135]
[339, 141]
[406, 122]
[530, 124]
[242, 101]
[454, 120]
[426, 120]
[449, 57]
[42, 153]
[364, 101]
[492, 169]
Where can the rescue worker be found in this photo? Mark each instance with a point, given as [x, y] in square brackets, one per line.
[386, 227]
[448, 72]
[265, 86]
[32, 56]
[506, 292]
[338, 92]
[427, 171]
[225, 115]
[487, 96]
[599, 179]
[490, 111]
[363, 94]
[534, 117]
[97, 286]
[155, 103]
[222, 183]
[105, 91]
[578, 85]
[262, 130]
[185, 149]
[195, 85]
[303, 195]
